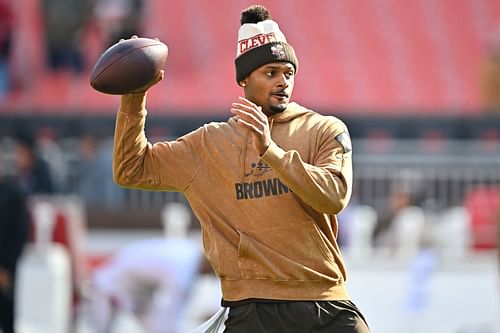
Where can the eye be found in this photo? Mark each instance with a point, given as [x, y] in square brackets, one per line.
[270, 73]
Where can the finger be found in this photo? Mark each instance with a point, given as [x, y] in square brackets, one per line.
[251, 104]
[134, 36]
[249, 126]
[247, 102]
[248, 116]
[156, 38]
[161, 74]
[251, 110]
[243, 107]
[121, 40]
[157, 79]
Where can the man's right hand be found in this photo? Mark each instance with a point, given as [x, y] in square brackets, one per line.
[157, 79]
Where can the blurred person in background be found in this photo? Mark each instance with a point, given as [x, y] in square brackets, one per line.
[405, 191]
[64, 22]
[32, 171]
[14, 227]
[267, 203]
[89, 173]
[149, 279]
[490, 73]
[119, 18]
[399, 198]
[94, 183]
[51, 151]
[6, 23]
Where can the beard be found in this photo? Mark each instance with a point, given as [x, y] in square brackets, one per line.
[277, 108]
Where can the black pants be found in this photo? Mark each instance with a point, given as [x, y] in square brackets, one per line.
[296, 317]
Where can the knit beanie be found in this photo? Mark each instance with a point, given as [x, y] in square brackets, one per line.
[260, 41]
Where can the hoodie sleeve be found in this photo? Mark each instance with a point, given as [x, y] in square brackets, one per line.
[168, 165]
[325, 183]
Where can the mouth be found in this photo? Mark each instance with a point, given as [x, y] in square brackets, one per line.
[280, 95]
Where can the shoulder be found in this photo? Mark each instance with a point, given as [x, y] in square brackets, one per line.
[217, 125]
[224, 128]
[214, 131]
[322, 122]
[204, 129]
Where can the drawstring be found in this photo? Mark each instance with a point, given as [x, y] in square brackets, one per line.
[271, 122]
[319, 307]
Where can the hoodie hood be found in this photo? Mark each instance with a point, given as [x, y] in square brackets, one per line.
[293, 110]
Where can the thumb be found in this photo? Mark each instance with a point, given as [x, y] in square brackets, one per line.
[159, 76]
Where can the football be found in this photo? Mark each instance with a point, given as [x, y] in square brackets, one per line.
[128, 65]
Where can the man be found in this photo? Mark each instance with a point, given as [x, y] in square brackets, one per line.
[266, 187]
[14, 227]
[32, 171]
[6, 36]
[149, 278]
[489, 73]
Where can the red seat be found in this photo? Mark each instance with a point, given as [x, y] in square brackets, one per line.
[372, 56]
[483, 205]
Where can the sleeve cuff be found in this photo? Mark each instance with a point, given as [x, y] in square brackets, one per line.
[274, 156]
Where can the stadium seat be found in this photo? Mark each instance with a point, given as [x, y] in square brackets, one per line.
[483, 206]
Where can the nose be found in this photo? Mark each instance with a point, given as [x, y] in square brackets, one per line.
[283, 80]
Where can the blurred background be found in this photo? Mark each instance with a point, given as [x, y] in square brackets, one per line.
[416, 81]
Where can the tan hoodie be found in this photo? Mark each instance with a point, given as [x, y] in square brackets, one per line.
[268, 223]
